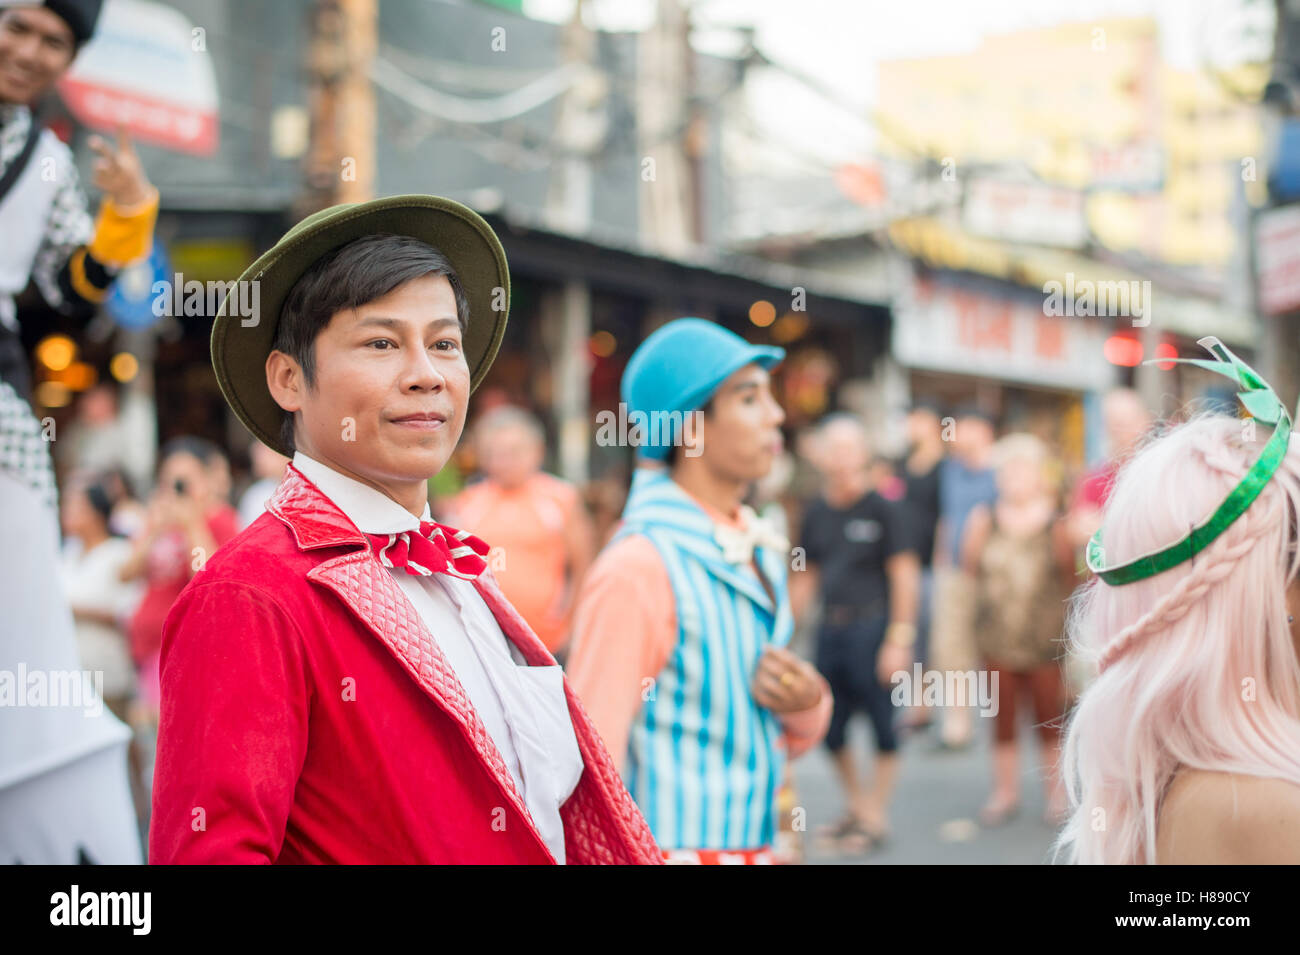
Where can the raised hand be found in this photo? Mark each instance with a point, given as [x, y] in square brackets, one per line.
[118, 172]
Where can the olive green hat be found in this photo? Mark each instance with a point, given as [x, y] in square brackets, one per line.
[241, 343]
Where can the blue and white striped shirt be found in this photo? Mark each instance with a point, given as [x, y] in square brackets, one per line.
[704, 759]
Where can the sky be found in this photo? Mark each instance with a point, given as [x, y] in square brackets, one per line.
[841, 43]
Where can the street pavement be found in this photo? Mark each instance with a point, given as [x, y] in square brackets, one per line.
[935, 803]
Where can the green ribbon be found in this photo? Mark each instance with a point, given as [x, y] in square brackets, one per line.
[1262, 403]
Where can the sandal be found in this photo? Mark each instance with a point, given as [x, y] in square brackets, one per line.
[844, 826]
[846, 835]
[942, 745]
[994, 816]
[915, 728]
[879, 837]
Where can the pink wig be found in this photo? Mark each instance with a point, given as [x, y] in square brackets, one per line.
[1198, 668]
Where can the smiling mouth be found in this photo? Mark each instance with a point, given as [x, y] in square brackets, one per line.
[17, 76]
[421, 422]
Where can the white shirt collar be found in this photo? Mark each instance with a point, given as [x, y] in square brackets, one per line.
[373, 512]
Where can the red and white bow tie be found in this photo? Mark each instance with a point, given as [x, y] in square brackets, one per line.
[433, 549]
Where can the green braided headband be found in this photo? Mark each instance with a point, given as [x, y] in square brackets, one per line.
[1262, 403]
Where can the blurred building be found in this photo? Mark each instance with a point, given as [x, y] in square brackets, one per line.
[1068, 158]
[618, 168]
[593, 153]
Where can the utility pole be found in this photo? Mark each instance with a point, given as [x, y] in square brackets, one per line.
[667, 182]
[579, 130]
[340, 163]
[566, 323]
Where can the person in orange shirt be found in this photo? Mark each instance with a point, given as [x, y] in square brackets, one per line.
[542, 538]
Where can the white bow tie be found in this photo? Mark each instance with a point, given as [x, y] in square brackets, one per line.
[738, 543]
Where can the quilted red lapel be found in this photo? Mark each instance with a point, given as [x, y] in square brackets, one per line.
[375, 599]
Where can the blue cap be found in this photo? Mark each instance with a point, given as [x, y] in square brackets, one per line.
[679, 367]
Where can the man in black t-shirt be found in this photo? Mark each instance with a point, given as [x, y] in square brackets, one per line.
[861, 559]
[920, 473]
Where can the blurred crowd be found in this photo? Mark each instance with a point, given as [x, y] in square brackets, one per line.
[981, 530]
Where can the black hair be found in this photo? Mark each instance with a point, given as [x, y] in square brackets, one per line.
[974, 411]
[675, 449]
[100, 498]
[353, 275]
[201, 448]
[118, 473]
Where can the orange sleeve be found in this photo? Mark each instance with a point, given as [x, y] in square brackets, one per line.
[805, 729]
[123, 235]
[625, 626]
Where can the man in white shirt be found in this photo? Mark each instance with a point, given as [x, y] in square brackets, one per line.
[344, 682]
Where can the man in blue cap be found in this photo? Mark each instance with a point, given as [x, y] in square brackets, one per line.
[680, 633]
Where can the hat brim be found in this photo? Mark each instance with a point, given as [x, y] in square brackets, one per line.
[765, 356]
[240, 344]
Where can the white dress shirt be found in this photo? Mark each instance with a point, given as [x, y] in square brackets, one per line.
[523, 708]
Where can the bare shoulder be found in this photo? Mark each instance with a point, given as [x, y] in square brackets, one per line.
[1214, 817]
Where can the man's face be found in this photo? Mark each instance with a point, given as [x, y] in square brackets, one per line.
[742, 433]
[1126, 419]
[922, 425]
[1020, 479]
[974, 438]
[844, 452]
[510, 455]
[36, 46]
[391, 388]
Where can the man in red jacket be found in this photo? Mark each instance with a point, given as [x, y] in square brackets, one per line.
[344, 682]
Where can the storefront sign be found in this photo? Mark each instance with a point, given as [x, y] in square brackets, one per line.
[969, 332]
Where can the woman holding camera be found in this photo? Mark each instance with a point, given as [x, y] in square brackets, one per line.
[186, 522]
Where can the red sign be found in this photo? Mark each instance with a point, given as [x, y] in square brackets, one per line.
[149, 119]
[149, 68]
[974, 332]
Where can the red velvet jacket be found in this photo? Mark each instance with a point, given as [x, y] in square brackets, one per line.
[308, 715]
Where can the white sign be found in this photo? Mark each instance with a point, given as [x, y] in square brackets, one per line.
[1028, 212]
[968, 332]
[1129, 166]
[1277, 259]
